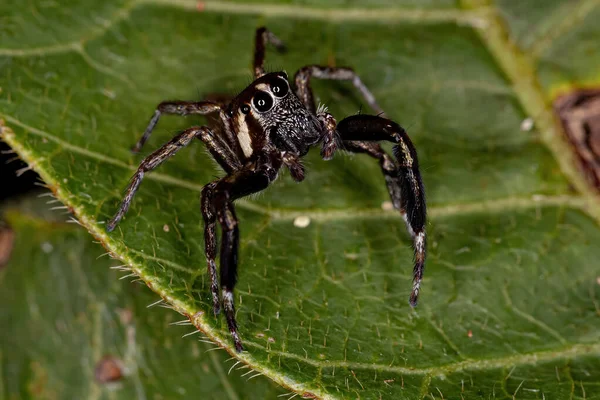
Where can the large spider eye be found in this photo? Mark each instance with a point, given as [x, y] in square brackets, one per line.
[262, 102]
[245, 109]
[279, 88]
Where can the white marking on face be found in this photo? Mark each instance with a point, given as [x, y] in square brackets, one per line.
[243, 135]
[262, 87]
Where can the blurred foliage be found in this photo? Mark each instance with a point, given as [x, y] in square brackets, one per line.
[65, 313]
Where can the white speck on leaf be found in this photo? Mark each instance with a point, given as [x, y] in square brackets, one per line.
[302, 221]
[109, 93]
[47, 247]
[387, 206]
[527, 124]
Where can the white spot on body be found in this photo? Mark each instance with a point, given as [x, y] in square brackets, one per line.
[420, 242]
[244, 136]
[301, 221]
[408, 227]
[406, 152]
[227, 297]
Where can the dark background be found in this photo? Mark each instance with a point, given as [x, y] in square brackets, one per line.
[10, 184]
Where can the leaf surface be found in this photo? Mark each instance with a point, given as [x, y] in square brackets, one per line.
[65, 313]
[509, 305]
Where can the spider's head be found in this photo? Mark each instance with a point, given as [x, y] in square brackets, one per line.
[261, 100]
[262, 109]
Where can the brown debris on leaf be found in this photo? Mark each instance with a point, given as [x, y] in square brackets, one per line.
[109, 369]
[7, 240]
[579, 113]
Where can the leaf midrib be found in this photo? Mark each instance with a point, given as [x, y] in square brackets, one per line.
[566, 352]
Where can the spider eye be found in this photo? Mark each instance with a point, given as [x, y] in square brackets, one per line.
[279, 88]
[245, 109]
[262, 102]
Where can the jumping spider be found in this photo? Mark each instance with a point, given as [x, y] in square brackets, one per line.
[269, 125]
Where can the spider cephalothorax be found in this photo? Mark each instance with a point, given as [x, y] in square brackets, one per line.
[269, 125]
[271, 112]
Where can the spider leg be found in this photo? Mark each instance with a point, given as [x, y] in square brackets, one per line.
[223, 155]
[210, 241]
[250, 179]
[294, 165]
[390, 170]
[406, 188]
[177, 108]
[264, 36]
[304, 91]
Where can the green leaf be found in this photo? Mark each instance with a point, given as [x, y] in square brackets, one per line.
[64, 311]
[509, 305]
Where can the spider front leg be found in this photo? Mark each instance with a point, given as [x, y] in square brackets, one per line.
[222, 155]
[304, 91]
[210, 241]
[264, 36]
[294, 165]
[406, 188]
[175, 108]
[390, 170]
[250, 179]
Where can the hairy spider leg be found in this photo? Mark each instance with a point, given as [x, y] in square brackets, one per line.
[294, 165]
[223, 156]
[403, 181]
[389, 168]
[304, 91]
[177, 108]
[264, 36]
[250, 179]
[210, 241]
[412, 191]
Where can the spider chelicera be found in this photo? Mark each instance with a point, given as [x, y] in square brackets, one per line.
[267, 126]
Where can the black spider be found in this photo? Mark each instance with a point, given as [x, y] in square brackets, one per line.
[265, 127]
